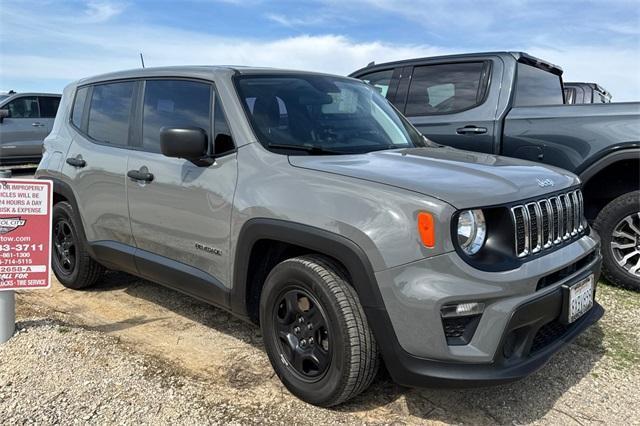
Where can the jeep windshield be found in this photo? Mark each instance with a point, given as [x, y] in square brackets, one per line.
[322, 115]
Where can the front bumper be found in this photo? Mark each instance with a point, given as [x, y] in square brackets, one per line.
[517, 334]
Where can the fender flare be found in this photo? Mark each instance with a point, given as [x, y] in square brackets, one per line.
[64, 189]
[607, 160]
[324, 242]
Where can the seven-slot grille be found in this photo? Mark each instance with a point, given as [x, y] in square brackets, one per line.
[544, 223]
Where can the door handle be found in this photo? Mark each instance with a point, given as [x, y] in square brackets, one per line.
[468, 130]
[36, 124]
[140, 175]
[76, 162]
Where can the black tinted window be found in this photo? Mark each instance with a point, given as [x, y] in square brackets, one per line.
[446, 88]
[26, 107]
[169, 103]
[535, 86]
[109, 112]
[380, 80]
[78, 106]
[48, 106]
[222, 141]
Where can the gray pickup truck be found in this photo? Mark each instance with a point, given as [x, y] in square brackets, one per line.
[25, 120]
[512, 104]
[585, 93]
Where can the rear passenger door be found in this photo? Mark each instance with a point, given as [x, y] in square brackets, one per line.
[48, 109]
[447, 103]
[96, 163]
[181, 218]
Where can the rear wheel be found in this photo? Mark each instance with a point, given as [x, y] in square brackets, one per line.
[618, 224]
[71, 263]
[315, 331]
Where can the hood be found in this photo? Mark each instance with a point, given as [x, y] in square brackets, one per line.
[463, 179]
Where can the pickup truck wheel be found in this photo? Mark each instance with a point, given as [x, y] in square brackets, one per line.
[315, 331]
[618, 224]
[70, 262]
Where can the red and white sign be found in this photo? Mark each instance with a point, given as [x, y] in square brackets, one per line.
[25, 233]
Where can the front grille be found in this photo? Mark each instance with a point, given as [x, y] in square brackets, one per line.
[545, 223]
[548, 334]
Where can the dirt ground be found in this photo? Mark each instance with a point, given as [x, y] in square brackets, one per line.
[594, 380]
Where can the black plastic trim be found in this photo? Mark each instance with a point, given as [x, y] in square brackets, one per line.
[341, 248]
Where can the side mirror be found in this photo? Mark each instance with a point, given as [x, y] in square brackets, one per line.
[4, 113]
[185, 142]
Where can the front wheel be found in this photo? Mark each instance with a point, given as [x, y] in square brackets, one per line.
[71, 263]
[618, 224]
[315, 331]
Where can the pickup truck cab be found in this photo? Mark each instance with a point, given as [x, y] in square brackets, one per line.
[512, 104]
[25, 120]
[585, 93]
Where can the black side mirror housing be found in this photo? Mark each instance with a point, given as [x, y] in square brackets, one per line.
[4, 113]
[190, 143]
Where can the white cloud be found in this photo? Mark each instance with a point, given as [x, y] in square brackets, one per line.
[101, 11]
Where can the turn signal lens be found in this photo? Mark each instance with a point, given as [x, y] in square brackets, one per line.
[426, 229]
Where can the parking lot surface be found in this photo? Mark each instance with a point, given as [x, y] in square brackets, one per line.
[131, 345]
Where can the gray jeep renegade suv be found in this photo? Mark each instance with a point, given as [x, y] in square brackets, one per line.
[307, 204]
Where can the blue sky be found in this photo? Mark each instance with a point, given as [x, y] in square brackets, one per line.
[46, 44]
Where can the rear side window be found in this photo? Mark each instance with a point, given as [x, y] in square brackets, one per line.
[109, 112]
[26, 107]
[381, 80]
[78, 107]
[174, 103]
[446, 88]
[535, 86]
[48, 106]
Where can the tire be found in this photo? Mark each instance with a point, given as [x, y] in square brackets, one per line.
[315, 289]
[70, 261]
[617, 223]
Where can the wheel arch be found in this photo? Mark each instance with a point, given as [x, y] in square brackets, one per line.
[608, 178]
[299, 239]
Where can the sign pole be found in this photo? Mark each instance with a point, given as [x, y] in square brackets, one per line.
[7, 315]
[7, 300]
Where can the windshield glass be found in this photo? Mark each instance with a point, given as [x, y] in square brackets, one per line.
[311, 114]
[3, 97]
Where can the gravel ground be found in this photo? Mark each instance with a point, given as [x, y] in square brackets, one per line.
[131, 352]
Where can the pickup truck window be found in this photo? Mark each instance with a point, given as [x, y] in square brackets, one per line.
[311, 114]
[535, 86]
[445, 88]
[26, 107]
[380, 80]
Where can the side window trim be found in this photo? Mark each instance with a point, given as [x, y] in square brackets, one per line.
[483, 87]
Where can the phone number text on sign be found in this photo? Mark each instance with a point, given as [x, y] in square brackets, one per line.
[25, 233]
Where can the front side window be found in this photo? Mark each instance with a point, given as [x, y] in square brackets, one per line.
[49, 106]
[380, 80]
[26, 107]
[311, 114]
[446, 88]
[109, 112]
[78, 106]
[535, 86]
[174, 103]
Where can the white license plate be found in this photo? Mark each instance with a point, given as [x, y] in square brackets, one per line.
[580, 298]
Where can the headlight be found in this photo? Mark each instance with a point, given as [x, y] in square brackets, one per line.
[472, 231]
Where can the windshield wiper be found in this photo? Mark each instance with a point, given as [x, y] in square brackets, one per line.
[309, 149]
